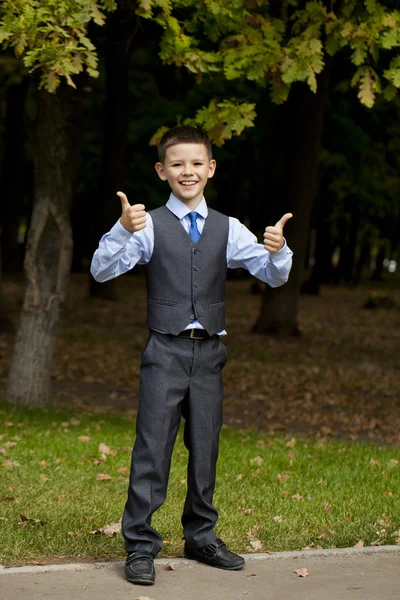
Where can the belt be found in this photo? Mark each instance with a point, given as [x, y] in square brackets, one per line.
[195, 334]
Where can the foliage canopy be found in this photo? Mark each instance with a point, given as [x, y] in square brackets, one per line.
[52, 36]
[269, 43]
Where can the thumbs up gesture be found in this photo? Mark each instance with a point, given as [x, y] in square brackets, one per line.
[133, 218]
[273, 236]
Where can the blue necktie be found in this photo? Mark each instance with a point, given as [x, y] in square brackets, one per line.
[193, 231]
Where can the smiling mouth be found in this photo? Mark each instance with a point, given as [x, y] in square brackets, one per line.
[188, 183]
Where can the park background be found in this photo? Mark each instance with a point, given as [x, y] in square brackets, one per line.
[301, 102]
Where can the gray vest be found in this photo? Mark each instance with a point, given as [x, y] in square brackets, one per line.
[186, 281]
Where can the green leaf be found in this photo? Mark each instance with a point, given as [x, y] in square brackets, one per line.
[389, 92]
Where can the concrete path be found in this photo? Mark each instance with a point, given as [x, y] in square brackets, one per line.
[345, 574]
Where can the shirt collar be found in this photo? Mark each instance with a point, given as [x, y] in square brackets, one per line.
[180, 210]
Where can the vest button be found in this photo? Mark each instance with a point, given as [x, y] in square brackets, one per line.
[191, 317]
[196, 268]
[195, 284]
[196, 251]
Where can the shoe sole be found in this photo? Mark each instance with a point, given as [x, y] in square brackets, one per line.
[216, 566]
[140, 581]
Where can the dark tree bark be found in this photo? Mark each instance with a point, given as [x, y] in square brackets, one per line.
[363, 261]
[377, 274]
[123, 24]
[305, 112]
[322, 271]
[348, 244]
[12, 186]
[49, 246]
[5, 322]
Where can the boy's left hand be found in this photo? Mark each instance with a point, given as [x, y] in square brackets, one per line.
[273, 236]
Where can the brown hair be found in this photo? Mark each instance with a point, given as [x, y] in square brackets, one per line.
[183, 134]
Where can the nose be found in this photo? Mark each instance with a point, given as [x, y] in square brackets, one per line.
[187, 170]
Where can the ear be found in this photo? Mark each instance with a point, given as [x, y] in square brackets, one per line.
[211, 168]
[160, 170]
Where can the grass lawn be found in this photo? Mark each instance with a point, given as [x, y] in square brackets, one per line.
[64, 476]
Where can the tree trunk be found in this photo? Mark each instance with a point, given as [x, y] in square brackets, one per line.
[377, 274]
[5, 323]
[49, 246]
[363, 260]
[279, 306]
[123, 23]
[12, 188]
[348, 244]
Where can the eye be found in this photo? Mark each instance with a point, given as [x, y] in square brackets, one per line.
[198, 163]
[176, 165]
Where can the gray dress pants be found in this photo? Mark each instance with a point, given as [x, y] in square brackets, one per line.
[178, 377]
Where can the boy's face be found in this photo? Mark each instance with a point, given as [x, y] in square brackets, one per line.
[187, 169]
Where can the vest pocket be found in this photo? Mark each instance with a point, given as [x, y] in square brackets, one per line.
[161, 302]
[216, 305]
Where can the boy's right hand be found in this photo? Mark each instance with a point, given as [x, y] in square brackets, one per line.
[133, 218]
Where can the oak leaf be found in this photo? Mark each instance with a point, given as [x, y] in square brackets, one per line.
[301, 572]
[103, 477]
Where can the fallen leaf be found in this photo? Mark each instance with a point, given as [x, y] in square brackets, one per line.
[84, 438]
[11, 463]
[24, 520]
[107, 529]
[376, 543]
[105, 451]
[373, 463]
[74, 421]
[389, 493]
[392, 462]
[257, 460]
[103, 477]
[43, 463]
[245, 511]
[279, 519]
[327, 507]
[301, 572]
[297, 497]
[12, 444]
[283, 478]
[359, 544]
[171, 566]
[123, 470]
[252, 575]
[239, 477]
[326, 431]
[256, 545]
[253, 531]
[291, 443]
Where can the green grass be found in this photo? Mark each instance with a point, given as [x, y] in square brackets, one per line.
[335, 494]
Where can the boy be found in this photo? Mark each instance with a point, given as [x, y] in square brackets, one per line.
[186, 248]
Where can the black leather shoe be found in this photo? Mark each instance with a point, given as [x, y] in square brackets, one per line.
[216, 555]
[139, 568]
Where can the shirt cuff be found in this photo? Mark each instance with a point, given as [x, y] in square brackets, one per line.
[120, 234]
[284, 251]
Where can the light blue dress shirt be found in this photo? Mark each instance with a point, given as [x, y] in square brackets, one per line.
[120, 250]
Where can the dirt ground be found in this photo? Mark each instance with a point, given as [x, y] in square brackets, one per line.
[341, 378]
